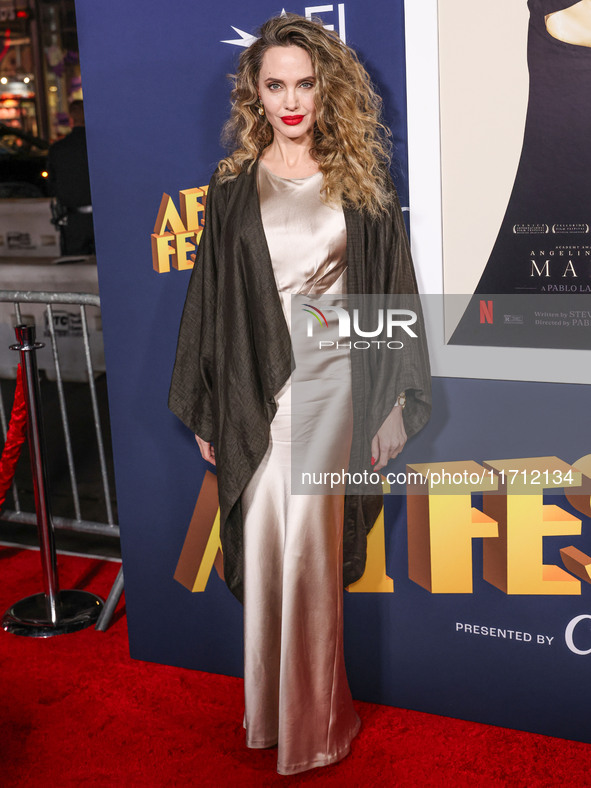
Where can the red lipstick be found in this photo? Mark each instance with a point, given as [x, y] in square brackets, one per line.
[292, 120]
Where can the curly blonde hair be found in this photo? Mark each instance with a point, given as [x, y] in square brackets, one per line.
[351, 144]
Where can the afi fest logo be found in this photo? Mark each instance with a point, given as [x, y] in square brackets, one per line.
[387, 321]
[332, 10]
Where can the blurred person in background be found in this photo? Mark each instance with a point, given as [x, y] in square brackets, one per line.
[70, 186]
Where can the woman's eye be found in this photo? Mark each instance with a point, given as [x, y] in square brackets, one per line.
[274, 86]
[307, 85]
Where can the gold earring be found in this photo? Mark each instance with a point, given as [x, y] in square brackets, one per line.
[261, 108]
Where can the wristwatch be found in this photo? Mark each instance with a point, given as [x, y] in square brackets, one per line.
[401, 400]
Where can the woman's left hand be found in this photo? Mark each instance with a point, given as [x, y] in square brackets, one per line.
[389, 439]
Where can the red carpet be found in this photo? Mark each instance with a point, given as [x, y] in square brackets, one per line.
[77, 711]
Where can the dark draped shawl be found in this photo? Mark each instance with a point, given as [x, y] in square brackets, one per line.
[234, 355]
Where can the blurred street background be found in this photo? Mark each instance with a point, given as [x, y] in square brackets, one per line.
[47, 244]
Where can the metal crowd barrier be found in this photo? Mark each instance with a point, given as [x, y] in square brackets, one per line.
[110, 528]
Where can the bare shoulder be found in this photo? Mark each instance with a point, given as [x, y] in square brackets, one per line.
[572, 25]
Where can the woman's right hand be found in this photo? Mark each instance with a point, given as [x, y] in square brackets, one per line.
[206, 449]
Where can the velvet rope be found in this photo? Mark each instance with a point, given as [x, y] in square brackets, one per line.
[15, 437]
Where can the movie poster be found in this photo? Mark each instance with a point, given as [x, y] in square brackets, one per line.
[516, 172]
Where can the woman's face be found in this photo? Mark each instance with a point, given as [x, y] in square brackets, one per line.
[286, 88]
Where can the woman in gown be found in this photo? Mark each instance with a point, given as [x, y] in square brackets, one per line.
[310, 151]
[543, 243]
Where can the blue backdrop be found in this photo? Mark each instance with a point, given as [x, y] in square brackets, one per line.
[156, 97]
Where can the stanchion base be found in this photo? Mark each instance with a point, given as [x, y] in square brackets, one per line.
[29, 616]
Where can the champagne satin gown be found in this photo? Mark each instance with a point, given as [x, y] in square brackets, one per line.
[296, 690]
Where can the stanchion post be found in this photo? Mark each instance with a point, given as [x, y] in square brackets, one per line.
[55, 612]
[27, 346]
